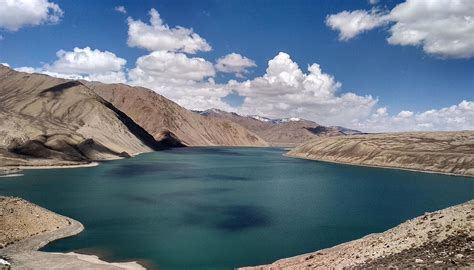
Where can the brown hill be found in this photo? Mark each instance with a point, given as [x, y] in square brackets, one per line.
[50, 121]
[280, 132]
[164, 118]
[440, 152]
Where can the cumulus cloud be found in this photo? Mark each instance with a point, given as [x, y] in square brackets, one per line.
[351, 23]
[443, 28]
[86, 61]
[169, 66]
[121, 9]
[456, 117]
[15, 14]
[158, 36]
[286, 91]
[235, 63]
[84, 64]
[186, 80]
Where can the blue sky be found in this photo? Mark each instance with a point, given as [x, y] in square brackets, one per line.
[399, 77]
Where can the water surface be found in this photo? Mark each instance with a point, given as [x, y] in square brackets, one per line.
[219, 208]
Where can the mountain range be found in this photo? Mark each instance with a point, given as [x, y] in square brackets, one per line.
[281, 131]
[46, 121]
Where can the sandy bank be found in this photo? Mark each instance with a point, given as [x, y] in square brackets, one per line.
[27, 227]
[440, 239]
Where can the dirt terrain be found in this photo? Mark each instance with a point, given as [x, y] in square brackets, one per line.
[437, 152]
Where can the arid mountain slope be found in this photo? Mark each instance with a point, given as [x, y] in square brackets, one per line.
[162, 117]
[439, 152]
[280, 132]
[50, 119]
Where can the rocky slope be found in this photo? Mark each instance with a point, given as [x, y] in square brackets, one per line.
[439, 152]
[442, 239]
[50, 121]
[164, 118]
[280, 132]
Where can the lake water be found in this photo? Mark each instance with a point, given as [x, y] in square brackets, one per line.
[219, 208]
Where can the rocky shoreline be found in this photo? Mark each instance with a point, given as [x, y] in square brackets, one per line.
[441, 239]
[27, 227]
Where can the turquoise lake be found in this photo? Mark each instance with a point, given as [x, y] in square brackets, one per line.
[220, 208]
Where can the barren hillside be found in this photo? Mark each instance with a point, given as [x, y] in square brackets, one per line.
[280, 132]
[440, 152]
[50, 121]
[160, 116]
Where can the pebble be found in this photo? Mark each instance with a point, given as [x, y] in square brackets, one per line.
[459, 256]
[438, 262]
[418, 260]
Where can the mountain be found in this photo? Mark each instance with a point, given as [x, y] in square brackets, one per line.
[50, 121]
[164, 118]
[279, 132]
[440, 152]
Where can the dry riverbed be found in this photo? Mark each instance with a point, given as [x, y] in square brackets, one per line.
[26, 227]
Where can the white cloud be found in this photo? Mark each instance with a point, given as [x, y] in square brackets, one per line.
[157, 36]
[350, 24]
[186, 80]
[121, 9]
[286, 91]
[15, 14]
[234, 63]
[443, 27]
[374, 2]
[169, 66]
[5, 64]
[456, 117]
[84, 64]
[86, 61]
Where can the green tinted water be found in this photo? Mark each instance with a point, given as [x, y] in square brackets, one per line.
[219, 208]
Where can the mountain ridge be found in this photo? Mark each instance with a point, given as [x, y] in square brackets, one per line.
[280, 131]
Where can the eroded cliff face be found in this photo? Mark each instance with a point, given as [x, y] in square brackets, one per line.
[439, 152]
[50, 121]
[159, 116]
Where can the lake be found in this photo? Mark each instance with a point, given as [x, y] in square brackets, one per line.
[220, 208]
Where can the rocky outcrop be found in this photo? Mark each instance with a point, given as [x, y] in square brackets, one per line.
[442, 239]
[50, 121]
[437, 152]
[160, 116]
[280, 132]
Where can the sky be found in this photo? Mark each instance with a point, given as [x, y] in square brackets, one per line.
[372, 65]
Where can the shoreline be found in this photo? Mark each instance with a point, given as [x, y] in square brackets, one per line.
[15, 171]
[380, 167]
[440, 239]
[25, 254]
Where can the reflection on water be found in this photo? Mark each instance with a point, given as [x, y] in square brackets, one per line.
[219, 208]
